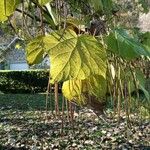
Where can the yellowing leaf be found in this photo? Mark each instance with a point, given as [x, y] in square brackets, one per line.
[75, 56]
[78, 90]
[43, 2]
[7, 7]
[35, 51]
[74, 89]
[97, 86]
[17, 46]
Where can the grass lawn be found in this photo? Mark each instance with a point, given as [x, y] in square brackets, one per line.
[24, 126]
[26, 101]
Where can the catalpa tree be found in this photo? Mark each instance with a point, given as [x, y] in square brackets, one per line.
[92, 49]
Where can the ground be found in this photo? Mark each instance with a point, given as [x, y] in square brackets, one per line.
[31, 129]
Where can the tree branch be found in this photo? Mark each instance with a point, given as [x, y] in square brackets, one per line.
[32, 17]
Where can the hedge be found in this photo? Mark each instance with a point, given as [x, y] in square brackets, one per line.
[31, 81]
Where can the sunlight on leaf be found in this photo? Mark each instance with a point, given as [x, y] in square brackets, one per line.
[43, 2]
[35, 51]
[78, 90]
[74, 89]
[75, 56]
[18, 46]
[7, 7]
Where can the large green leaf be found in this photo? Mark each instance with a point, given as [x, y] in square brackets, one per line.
[101, 5]
[96, 4]
[122, 44]
[35, 50]
[146, 41]
[107, 6]
[7, 7]
[146, 93]
[141, 82]
[75, 56]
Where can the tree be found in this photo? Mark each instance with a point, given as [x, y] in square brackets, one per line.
[87, 42]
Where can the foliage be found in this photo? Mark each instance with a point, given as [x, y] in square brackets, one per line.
[141, 82]
[82, 58]
[145, 38]
[33, 81]
[79, 56]
[80, 90]
[145, 5]
[122, 44]
[26, 102]
[7, 8]
[43, 2]
[74, 89]
[35, 51]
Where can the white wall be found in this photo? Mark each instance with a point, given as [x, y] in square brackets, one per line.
[19, 66]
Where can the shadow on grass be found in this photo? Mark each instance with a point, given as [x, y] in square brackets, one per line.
[27, 101]
[3, 147]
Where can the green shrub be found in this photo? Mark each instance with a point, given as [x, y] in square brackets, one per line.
[31, 81]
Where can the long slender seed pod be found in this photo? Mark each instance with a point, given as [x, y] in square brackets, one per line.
[57, 101]
[62, 117]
